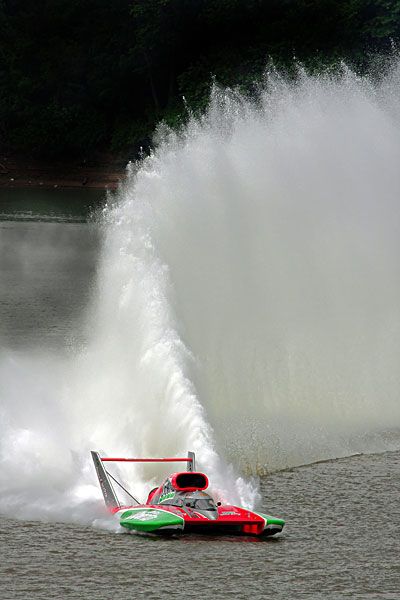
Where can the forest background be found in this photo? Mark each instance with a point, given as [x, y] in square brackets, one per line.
[82, 76]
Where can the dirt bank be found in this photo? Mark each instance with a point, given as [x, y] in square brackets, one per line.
[103, 173]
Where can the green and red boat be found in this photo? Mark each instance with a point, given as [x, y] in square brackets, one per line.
[181, 505]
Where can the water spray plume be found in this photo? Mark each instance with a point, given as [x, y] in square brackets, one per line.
[247, 299]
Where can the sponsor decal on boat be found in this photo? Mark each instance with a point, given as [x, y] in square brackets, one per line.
[165, 497]
[143, 515]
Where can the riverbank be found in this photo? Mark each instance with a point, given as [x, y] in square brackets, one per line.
[102, 173]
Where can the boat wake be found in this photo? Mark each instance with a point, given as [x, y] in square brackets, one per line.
[246, 305]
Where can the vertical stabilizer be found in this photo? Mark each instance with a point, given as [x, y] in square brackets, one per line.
[110, 497]
[191, 466]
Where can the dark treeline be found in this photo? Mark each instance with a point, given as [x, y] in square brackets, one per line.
[81, 75]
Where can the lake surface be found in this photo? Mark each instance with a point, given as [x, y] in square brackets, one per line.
[48, 252]
[341, 541]
[343, 516]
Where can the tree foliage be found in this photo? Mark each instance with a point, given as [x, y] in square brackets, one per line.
[81, 75]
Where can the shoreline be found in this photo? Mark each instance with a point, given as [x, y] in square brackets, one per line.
[104, 173]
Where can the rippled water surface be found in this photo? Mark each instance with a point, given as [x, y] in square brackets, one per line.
[341, 541]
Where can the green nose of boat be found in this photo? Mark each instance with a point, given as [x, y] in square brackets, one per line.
[273, 525]
[150, 519]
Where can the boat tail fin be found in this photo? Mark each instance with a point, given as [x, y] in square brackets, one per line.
[191, 466]
[110, 497]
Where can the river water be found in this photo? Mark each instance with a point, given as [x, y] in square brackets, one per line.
[341, 541]
[343, 516]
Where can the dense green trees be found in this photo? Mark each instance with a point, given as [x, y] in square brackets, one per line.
[80, 75]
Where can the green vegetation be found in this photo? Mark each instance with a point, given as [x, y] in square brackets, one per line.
[77, 76]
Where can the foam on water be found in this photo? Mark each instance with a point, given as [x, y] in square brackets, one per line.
[246, 308]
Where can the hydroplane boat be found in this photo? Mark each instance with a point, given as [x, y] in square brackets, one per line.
[181, 505]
